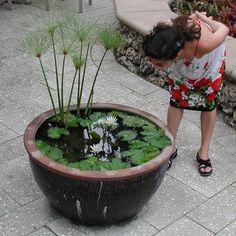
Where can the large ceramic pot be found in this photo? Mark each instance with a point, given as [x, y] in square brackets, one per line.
[97, 197]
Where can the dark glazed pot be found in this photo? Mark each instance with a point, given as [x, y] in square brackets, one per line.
[96, 197]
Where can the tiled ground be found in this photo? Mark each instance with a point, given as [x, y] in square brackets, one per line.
[186, 204]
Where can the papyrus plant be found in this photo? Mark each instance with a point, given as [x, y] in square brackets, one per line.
[72, 38]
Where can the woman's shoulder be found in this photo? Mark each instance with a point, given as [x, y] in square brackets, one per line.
[205, 40]
[220, 50]
[209, 40]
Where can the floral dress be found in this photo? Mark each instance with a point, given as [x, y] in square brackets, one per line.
[196, 85]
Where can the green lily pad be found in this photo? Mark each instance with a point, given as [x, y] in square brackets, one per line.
[133, 121]
[127, 135]
[56, 132]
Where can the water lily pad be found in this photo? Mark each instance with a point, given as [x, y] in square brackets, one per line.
[56, 132]
[127, 135]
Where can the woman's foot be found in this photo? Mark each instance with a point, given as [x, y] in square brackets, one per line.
[172, 157]
[205, 167]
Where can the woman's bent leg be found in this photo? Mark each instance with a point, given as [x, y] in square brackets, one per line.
[174, 117]
[208, 119]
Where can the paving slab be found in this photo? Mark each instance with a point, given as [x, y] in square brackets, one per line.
[194, 117]
[228, 142]
[7, 30]
[217, 212]
[222, 129]
[24, 64]
[160, 95]
[189, 139]
[18, 182]
[13, 148]
[22, 103]
[6, 133]
[8, 52]
[160, 98]
[7, 203]
[184, 227]
[167, 206]
[27, 219]
[156, 109]
[63, 226]
[127, 79]
[22, 14]
[185, 169]
[110, 90]
[143, 87]
[44, 231]
[97, 53]
[229, 230]
[136, 227]
[18, 113]
[3, 159]
[114, 69]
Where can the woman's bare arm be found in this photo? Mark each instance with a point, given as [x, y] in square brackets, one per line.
[212, 40]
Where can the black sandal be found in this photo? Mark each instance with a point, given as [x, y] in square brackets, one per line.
[172, 157]
[204, 164]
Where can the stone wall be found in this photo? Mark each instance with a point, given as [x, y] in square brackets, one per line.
[228, 101]
[130, 55]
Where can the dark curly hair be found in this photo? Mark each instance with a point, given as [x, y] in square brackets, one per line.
[166, 40]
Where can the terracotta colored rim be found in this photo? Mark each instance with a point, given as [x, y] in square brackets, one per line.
[36, 156]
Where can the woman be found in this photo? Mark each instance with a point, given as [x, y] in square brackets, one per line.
[191, 50]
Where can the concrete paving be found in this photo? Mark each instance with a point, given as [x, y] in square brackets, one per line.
[185, 204]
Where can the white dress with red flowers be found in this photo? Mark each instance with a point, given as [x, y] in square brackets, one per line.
[196, 85]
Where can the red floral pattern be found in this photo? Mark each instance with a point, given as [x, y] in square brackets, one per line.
[176, 94]
[211, 97]
[184, 104]
[196, 84]
[202, 82]
[184, 88]
[196, 94]
[216, 84]
[206, 66]
[187, 63]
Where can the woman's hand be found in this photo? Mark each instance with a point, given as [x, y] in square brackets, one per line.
[202, 16]
[215, 25]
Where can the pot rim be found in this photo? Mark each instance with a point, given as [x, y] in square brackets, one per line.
[36, 156]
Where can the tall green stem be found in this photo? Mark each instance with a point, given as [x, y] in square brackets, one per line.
[88, 105]
[71, 92]
[57, 79]
[48, 88]
[83, 78]
[78, 91]
[62, 86]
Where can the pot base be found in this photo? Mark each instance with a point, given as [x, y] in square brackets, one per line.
[98, 202]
